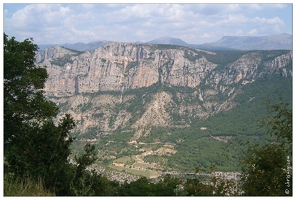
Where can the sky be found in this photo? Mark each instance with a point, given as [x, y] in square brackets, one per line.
[194, 23]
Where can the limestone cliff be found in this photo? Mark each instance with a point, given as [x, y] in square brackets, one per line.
[121, 66]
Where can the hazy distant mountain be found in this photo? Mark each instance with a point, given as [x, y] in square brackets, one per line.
[168, 40]
[86, 46]
[208, 46]
[78, 46]
[270, 42]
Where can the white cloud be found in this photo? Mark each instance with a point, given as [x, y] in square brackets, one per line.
[253, 32]
[272, 21]
[206, 36]
[130, 11]
[278, 6]
[236, 19]
[256, 7]
[276, 21]
[196, 23]
[239, 32]
[140, 33]
[39, 15]
[5, 13]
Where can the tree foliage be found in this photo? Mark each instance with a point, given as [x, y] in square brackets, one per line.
[23, 84]
[280, 123]
[33, 144]
[267, 169]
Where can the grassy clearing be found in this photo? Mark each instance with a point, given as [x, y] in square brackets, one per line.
[24, 187]
[144, 165]
[124, 160]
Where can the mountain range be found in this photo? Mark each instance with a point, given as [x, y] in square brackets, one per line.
[269, 42]
[169, 105]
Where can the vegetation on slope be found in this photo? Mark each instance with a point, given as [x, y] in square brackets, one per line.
[223, 142]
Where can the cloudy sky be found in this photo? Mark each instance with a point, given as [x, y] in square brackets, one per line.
[193, 23]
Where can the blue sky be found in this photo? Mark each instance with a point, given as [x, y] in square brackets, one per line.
[194, 23]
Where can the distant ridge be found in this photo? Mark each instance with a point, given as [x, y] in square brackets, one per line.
[86, 47]
[168, 40]
[269, 42]
[78, 46]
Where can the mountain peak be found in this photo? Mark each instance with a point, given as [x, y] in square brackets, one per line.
[168, 40]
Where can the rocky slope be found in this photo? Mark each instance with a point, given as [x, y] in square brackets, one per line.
[131, 87]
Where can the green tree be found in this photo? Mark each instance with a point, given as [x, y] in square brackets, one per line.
[167, 186]
[141, 187]
[33, 144]
[23, 84]
[82, 184]
[267, 170]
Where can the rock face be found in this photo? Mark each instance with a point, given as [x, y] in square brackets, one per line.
[121, 66]
[121, 85]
